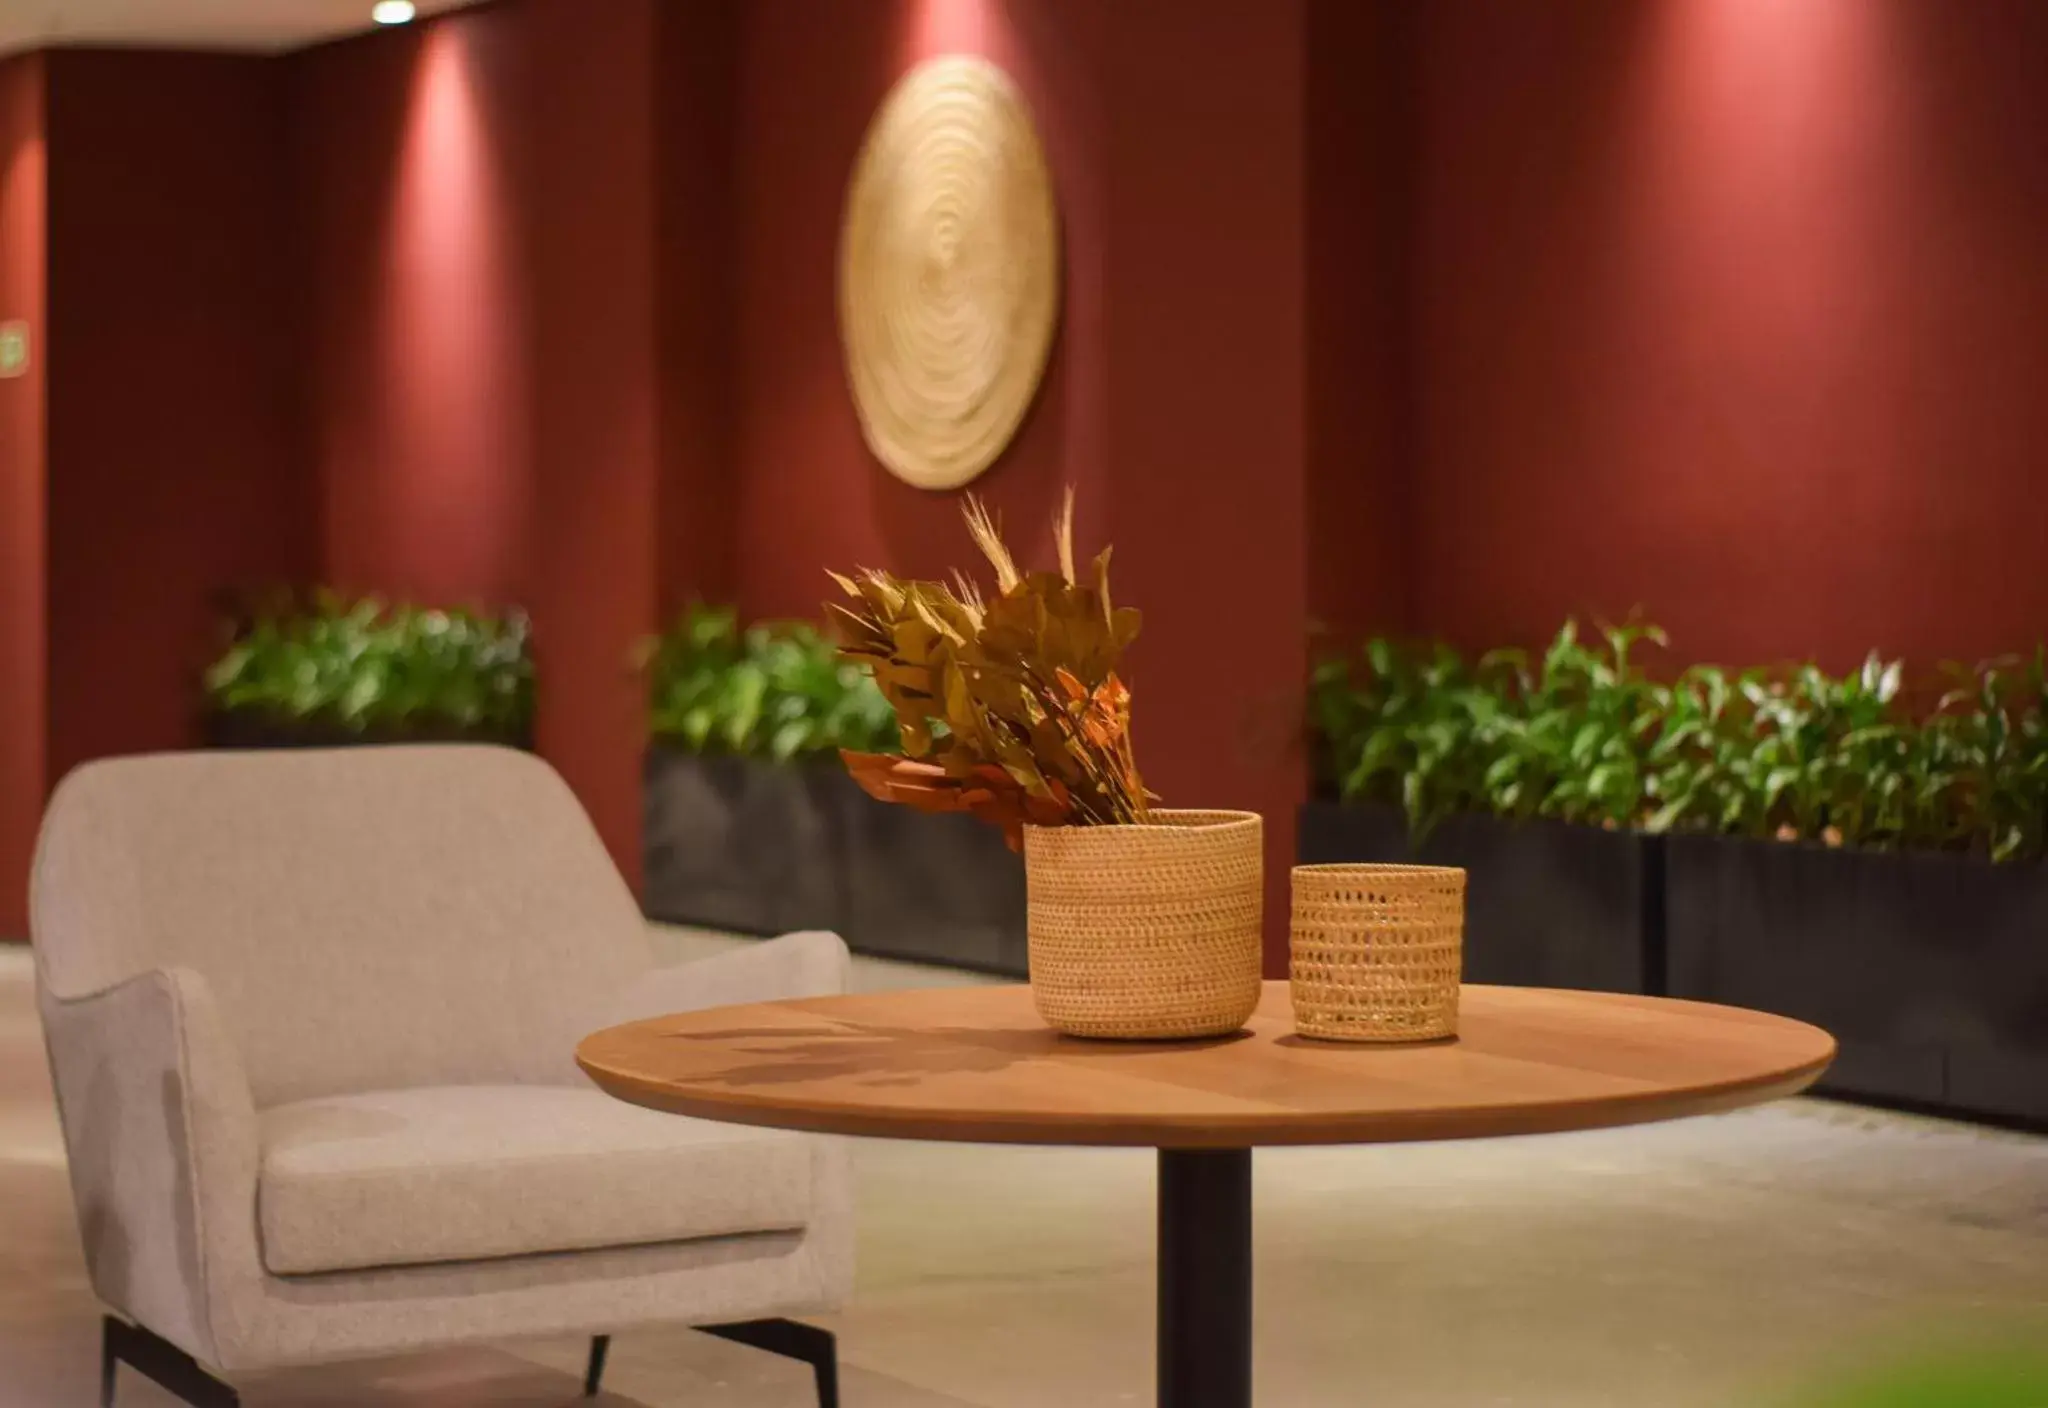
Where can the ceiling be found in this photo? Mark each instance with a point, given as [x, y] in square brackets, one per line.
[188, 24]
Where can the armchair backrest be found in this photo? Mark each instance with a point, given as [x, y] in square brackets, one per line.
[367, 918]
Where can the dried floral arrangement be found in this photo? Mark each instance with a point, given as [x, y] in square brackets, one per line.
[1009, 706]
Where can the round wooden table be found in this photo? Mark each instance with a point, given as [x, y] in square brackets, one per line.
[977, 1064]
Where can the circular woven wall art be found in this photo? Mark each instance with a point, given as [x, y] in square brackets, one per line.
[948, 272]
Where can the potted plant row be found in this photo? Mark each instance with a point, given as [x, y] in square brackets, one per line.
[329, 671]
[753, 825]
[1878, 869]
[1849, 850]
[1522, 771]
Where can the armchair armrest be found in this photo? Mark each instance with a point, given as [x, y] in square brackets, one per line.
[795, 965]
[163, 1144]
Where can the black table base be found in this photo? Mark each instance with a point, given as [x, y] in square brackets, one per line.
[1205, 1278]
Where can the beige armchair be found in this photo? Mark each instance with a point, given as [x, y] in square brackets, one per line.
[311, 1018]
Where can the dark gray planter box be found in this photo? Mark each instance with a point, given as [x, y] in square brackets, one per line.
[756, 847]
[1930, 970]
[731, 843]
[942, 889]
[250, 729]
[1546, 905]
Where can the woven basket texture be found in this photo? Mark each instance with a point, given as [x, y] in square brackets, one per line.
[1147, 932]
[1375, 951]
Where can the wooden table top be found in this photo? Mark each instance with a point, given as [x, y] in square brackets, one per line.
[976, 1063]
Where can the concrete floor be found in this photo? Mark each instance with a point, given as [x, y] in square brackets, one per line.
[1745, 1259]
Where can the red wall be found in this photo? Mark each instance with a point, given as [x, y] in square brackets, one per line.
[691, 430]
[1736, 311]
[409, 146]
[591, 575]
[1173, 399]
[696, 301]
[1455, 317]
[1206, 359]
[810, 496]
[481, 234]
[22, 661]
[175, 462]
[1360, 94]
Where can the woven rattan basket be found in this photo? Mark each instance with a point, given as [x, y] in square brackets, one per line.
[1146, 932]
[1376, 950]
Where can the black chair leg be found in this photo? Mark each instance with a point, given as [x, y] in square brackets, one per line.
[600, 1346]
[110, 1363]
[156, 1358]
[805, 1343]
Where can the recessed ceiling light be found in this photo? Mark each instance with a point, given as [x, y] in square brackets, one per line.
[392, 11]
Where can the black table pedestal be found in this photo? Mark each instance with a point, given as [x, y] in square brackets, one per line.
[1205, 1278]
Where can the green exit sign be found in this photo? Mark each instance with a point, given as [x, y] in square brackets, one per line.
[13, 348]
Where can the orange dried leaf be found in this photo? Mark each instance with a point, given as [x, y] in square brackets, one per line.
[1008, 708]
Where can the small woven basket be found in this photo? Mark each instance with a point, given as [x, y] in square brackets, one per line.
[1376, 951]
[1147, 932]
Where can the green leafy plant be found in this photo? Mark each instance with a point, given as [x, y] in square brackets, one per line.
[1414, 728]
[775, 690]
[364, 666]
[1572, 727]
[1583, 734]
[1698, 763]
[1561, 735]
[1986, 748]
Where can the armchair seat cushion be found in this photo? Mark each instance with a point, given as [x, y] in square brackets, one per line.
[463, 1173]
